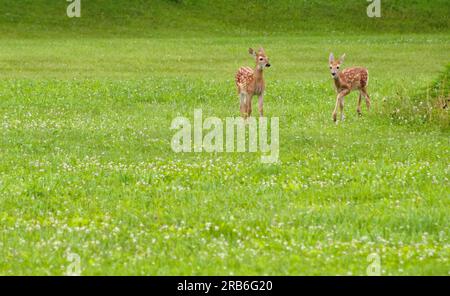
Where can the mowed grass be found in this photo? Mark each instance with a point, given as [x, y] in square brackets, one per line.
[87, 168]
[193, 18]
[86, 165]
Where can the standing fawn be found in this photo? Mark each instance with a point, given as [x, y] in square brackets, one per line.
[346, 81]
[250, 82]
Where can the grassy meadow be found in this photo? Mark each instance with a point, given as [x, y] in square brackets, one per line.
[86, 165]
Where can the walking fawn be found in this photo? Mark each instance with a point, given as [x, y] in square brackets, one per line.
[250, 82]
[346, 81]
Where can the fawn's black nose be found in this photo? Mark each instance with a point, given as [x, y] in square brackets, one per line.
[268, 65]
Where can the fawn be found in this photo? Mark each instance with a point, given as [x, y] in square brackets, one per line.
[346, 81]
[250, 82]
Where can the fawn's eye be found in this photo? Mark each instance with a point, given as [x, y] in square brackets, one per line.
[260, 59]
[338, 67]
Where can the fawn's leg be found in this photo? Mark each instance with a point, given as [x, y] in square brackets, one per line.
[242, 98]
[366, 95]
[260, 105]
[249, 105]
[335, 108]
[341, 108]
[243, 107]
[359, 103]
[340, 96]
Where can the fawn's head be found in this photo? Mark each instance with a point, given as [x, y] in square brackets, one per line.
[335, 66]
[262, 61]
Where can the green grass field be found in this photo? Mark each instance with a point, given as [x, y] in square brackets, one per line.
[86, 165]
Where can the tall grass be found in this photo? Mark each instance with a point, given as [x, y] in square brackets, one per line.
[429, 105]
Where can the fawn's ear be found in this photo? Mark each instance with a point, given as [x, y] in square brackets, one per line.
[252, 52]
[331, 58]
[341, 60]
[261, 50]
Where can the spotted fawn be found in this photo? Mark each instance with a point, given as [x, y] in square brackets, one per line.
[346, 81]
[250, 82]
